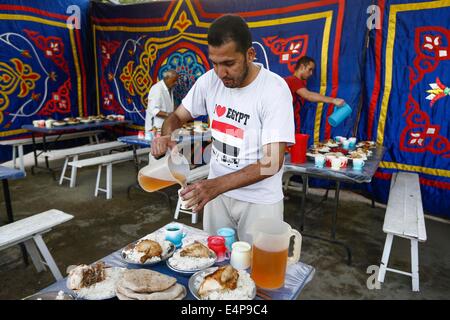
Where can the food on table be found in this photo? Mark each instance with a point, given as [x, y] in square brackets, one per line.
[366, 144]
[94, 282]
[143, 284]
[195, 250]
[84, 276]
[59, 123]
[223, 278]
[150, 249]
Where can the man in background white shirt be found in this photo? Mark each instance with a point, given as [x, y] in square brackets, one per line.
[160, 100]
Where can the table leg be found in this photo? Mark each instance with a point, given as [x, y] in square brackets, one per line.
[334, 216]
[9, 213]
[34, 151]
[7, 200]
[303, 204]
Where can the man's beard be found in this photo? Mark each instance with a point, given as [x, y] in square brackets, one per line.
[237, 82]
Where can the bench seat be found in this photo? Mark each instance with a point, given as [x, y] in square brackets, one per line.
[107, 161]
[29, 231]
[404, 218]
[17, 144]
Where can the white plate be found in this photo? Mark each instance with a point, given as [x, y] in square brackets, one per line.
[169, 253]
[103, 290]
[212, 254]
[50, 295]
[199, 276]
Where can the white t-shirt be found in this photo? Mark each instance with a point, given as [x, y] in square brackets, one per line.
[160, 98]
[242, 121]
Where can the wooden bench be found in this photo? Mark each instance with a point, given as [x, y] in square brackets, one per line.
[107, 161]
[404, 218]
[72, 154]
[17, 144]
[29, 231]
[196, 174]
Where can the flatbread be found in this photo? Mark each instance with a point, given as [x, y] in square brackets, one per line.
[122, 297]
[177, 291]
[146, 281]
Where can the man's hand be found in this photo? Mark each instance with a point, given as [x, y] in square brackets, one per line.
[200, 193]
[338, 102]
[161, 144]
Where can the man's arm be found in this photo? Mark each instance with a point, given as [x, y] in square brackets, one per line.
[174, 121]
[162, 114]
[316, 97]
[202, 192]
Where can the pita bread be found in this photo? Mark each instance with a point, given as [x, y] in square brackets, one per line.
[122, 297]
[177, 291]
[146, 281]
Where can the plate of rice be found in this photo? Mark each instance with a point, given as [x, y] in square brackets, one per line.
[210, 284]
[189, 264]
[94, 282]
[148, 251]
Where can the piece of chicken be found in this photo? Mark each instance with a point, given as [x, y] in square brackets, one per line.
[150, 248]
[195, 250]
[225, 277]
[84, 276]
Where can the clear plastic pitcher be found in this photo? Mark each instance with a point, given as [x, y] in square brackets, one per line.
[271, 238]
[158, 174]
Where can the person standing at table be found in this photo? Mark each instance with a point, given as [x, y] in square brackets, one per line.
[304, 69]
[250, 130]
[160, 101]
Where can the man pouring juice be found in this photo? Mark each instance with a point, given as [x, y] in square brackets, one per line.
[250, 111]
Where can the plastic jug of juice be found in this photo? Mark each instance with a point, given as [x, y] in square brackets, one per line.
[158, 174]
[271, 238]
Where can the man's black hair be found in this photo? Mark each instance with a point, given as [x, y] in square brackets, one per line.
[305, 60]
[230, 28]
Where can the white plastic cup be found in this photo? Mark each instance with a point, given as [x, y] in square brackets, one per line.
[241, 255]
[183, 203]
[358, 164]
[335, 164]
[319, 161]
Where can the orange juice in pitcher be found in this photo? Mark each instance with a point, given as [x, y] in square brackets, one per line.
[271, 239]
[164, 172]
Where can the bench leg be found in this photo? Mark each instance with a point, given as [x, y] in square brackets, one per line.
[47, 257]
[97, 183]
[415, 265]
[22, 164]
[177, 210]
[109, 181]
[34, 254]
[14, 156]
[385, 259]
[63, 172]
[73, 173]
[96, 139]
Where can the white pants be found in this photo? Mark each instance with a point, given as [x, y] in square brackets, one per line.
[224, 211]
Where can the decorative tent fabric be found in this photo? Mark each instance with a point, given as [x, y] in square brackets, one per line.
[407, 108]
[43, 63]
[397, 85]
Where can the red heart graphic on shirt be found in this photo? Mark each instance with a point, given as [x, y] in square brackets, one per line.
[220, 111]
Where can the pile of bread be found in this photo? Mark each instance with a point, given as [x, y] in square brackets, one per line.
[144, 284]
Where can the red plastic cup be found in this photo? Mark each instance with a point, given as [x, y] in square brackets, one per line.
[298, 150]
[217, 244]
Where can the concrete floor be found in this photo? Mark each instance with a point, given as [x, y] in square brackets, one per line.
[102, 226]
